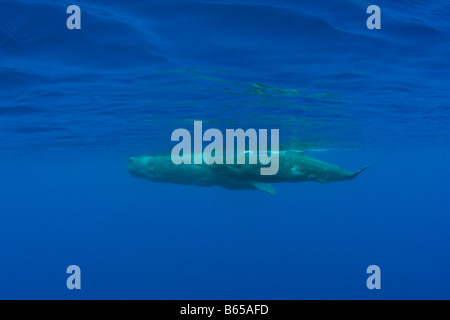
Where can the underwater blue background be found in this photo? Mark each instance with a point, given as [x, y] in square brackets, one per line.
[75, 104]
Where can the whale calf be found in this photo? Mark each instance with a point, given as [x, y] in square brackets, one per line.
[294, 166]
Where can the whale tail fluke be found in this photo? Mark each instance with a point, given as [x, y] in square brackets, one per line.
[356, 173]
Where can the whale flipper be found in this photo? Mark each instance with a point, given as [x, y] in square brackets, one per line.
[266, 187]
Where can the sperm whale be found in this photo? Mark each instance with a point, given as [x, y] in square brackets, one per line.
[294, 166]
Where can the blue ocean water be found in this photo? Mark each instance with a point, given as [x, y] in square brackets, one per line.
[75, 104]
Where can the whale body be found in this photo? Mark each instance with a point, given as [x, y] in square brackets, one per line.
[294, 166]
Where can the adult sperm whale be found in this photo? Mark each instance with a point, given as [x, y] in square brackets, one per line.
[294, 166]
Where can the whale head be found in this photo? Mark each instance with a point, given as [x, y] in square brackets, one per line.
[162, 169]
[144, 167]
